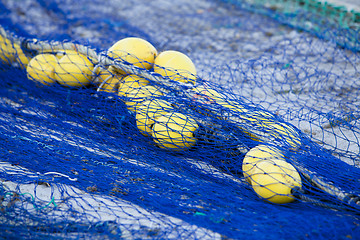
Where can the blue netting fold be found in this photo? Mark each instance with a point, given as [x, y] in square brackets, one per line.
[75, 165]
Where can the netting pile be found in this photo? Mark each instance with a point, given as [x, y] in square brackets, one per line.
[260, 142]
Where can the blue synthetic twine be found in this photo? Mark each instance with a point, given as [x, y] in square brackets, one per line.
[91, 140]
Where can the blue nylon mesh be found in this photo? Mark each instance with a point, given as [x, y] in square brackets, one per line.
[74, 164]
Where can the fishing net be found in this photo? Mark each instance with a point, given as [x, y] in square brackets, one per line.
[255, 134]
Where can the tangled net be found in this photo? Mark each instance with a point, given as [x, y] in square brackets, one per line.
[224, 123]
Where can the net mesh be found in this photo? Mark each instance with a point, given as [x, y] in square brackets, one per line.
[260, 142]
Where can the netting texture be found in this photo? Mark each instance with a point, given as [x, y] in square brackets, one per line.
[98, 148]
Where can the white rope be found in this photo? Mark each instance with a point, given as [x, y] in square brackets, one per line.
[57, 173]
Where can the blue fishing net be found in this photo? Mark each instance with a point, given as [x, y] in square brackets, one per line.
[76, 161]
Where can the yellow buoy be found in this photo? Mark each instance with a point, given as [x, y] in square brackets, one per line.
[148, 112]
[74, 70]
[175, 65]
[131, 82]
[257, 154]
[111, 84]
[136, 51]
[274, 180]
[138, 95]
[283, 132]
[102, 74]
[267, 126]
[21, 58]
[7, 50]
[41, 69]
[174, 131]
